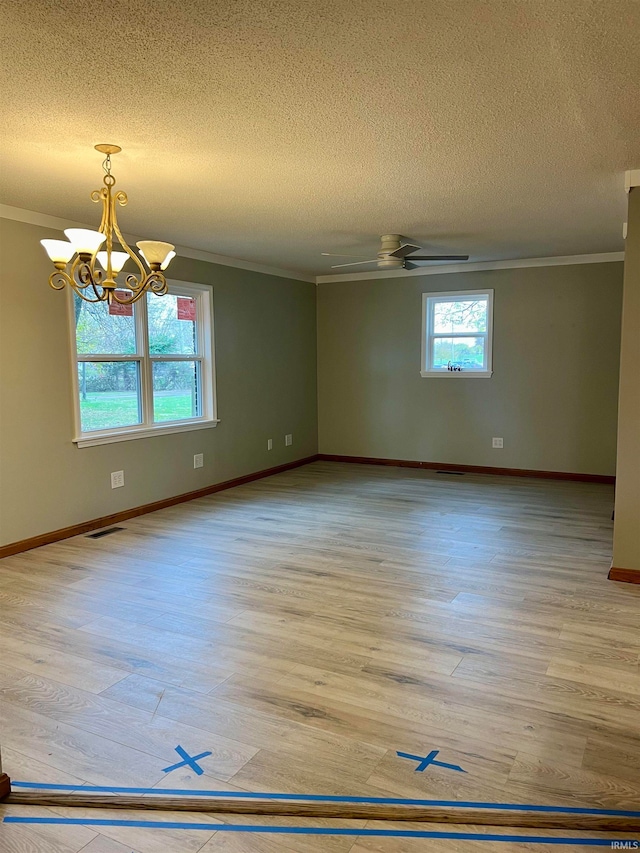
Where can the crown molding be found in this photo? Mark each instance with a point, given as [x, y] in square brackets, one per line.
[443, 269]
[32, 217]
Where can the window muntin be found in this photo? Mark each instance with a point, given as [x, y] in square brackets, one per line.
[457, 333]
[145, 368]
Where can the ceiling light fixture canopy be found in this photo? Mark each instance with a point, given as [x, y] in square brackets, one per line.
[93, 273]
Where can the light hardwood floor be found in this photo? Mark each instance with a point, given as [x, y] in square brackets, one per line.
[306, 627]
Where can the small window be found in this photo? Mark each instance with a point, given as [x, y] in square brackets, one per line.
[457, 333]
[145, 368]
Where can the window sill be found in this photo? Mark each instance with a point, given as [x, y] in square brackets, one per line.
[91, 440]
[455, 374]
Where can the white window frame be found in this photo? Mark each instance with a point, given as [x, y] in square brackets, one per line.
[426, 366]
[205, 356]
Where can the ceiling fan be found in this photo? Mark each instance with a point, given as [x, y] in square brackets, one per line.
[394, 254]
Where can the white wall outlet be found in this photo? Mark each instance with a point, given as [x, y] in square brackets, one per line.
[497, 442]
[269, 444]
[198, 460]
[288, 440]
[117, 479]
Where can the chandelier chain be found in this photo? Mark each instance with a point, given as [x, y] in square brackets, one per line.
[108, 179]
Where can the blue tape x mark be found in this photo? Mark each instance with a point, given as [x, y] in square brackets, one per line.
[188, 760]
[423, 763]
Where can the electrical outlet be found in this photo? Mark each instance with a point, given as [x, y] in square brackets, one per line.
[497, 442]
[269, 444]
[288, 440]
[117, 479]
[198, 460]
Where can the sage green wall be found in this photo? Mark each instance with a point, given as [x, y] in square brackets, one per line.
[266, 379]
[552, 397]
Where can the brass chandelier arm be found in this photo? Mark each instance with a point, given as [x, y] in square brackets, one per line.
[132, 281]
[85, 273]
[59, 279]
[100, 297]
[109, 225]
[155, 282]
[158, 283]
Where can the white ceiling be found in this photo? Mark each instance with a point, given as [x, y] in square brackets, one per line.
[271, 131]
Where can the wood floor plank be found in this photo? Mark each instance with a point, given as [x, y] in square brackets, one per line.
[69, 669]
[162, 640]
[149, 840]
[81, 753]
[226, 842]
[555, 782]
[52, 600]
[102, 844]
[615, 680]
[567, 703]
[122, 652]
[614, 754]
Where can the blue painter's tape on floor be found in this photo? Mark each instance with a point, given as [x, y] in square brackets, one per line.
[304, 830]
[326, 798]
[187, 760]
[425, 762]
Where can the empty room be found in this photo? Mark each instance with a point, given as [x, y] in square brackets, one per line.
[319, 426]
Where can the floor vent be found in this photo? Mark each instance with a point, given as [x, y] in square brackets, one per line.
[457, 473]
[102, 533]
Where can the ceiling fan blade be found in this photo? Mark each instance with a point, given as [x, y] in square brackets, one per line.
[340, 255]
[439, 257]
[403, 251]
[409, 266]
[354, 264]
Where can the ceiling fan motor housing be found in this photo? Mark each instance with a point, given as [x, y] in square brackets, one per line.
[390, 242]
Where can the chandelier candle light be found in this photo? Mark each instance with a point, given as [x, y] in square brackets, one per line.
[93, 274]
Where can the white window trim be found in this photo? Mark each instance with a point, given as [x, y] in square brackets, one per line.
[209, 416]
[447, 296]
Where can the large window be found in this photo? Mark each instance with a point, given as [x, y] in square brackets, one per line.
[457, 334]
[143, 369]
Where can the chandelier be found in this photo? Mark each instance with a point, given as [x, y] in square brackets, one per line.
[91, 273]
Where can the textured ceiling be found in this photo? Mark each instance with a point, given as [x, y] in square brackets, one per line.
[271, 131]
